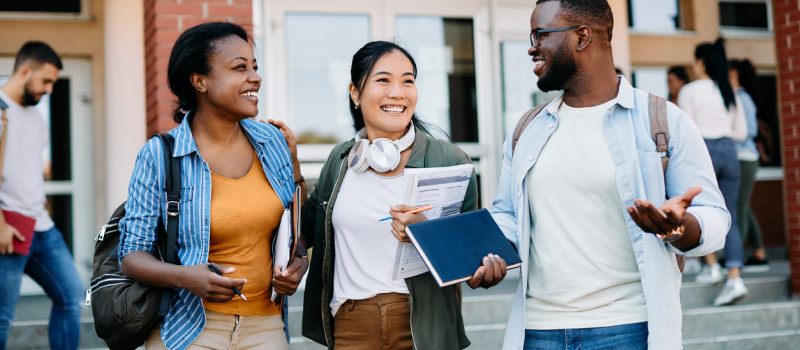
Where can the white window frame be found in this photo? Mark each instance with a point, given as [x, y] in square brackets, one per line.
[770, 173]
[81, 187]
[382, 25]
[661, 32]
[730, 32]
[84, 15]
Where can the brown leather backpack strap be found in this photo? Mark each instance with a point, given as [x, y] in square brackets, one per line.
[524, 121]
[3, 140]
[659, 128]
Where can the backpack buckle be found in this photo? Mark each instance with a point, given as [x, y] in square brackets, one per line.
[173, 208]
[661, 142]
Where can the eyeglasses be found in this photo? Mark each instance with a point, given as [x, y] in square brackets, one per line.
[536, 33]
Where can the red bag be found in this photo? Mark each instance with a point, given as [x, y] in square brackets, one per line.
[25, 226]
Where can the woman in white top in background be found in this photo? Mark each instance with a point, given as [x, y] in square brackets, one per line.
[711, 102]
[744, 81]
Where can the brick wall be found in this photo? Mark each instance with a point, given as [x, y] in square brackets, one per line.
[164, 21]
[787, 41]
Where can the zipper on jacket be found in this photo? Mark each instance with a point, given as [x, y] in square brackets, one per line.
[328, 214]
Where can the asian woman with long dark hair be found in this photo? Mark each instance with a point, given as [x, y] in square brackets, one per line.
[713, 105]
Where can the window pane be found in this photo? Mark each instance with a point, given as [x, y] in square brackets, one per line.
[319, 49]
[653, 14]
[60, 209]
[520, 92]
[41, 6]
[746, 15]
[653, 81]
[768, 113]
[444, 51]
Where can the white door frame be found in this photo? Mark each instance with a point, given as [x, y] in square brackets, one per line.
[81, 187]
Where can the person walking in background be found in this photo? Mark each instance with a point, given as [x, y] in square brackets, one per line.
[744, 81]
[237, 178]
[48, 262]
[351, 303]
[582, 196]
[711, 102]
[676, 79]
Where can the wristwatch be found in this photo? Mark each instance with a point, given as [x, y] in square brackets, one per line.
[674, 235]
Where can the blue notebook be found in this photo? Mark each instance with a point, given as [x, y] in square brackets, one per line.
[453, 247]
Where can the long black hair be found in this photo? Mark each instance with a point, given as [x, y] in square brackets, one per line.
[716, 64]
[363, 62]
[748, 78]
[191, 54]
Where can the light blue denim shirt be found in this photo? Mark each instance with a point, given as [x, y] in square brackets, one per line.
[639, 175]
[146, 205]
[750, 111]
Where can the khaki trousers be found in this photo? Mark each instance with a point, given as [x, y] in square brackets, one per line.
[223, 331]
[382, 322]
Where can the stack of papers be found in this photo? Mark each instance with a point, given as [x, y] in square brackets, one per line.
[443, 188]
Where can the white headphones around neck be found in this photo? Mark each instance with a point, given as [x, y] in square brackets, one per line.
[382, 155]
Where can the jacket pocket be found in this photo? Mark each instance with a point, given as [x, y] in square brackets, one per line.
[187, 194]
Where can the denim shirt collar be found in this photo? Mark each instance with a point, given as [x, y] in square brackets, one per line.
[184, 140]
[624, 97]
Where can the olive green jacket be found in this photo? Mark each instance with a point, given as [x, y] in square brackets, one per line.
[436, 321]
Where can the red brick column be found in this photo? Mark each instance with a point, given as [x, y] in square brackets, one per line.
[787, 40]
[164, 21]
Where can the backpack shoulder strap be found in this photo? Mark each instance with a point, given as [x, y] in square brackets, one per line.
[172, 182]
[3, 107]
[524, 121]
[659, 128]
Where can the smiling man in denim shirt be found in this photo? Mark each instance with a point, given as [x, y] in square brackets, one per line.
[582, 196]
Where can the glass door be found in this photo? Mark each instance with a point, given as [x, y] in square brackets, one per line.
[67, 162]
[309, 46]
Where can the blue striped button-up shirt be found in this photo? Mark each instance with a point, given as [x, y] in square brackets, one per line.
[147, 205]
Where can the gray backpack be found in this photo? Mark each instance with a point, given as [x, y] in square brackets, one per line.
[125, 311]
[658, 128]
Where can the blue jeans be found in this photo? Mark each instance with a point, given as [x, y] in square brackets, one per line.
[726, 167]
[623, 337]
[50, 264]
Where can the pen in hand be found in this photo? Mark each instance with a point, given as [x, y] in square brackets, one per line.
[218, 272]
[412, 211]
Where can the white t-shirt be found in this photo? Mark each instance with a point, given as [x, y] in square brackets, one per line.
[703, 102]
[365, 247]
[22, 185]
[582, 271]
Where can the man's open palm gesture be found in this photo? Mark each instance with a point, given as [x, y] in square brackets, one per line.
[665, 219]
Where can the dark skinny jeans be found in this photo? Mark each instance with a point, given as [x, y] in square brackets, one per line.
[726, 167]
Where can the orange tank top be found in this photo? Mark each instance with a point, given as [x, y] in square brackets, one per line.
[244, 214]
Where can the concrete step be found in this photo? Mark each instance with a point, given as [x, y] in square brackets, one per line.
[32, 335]
[486, 336]
[761, 290]
[766, 309]
[773, 339]
[709, 321]
[298, 342]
